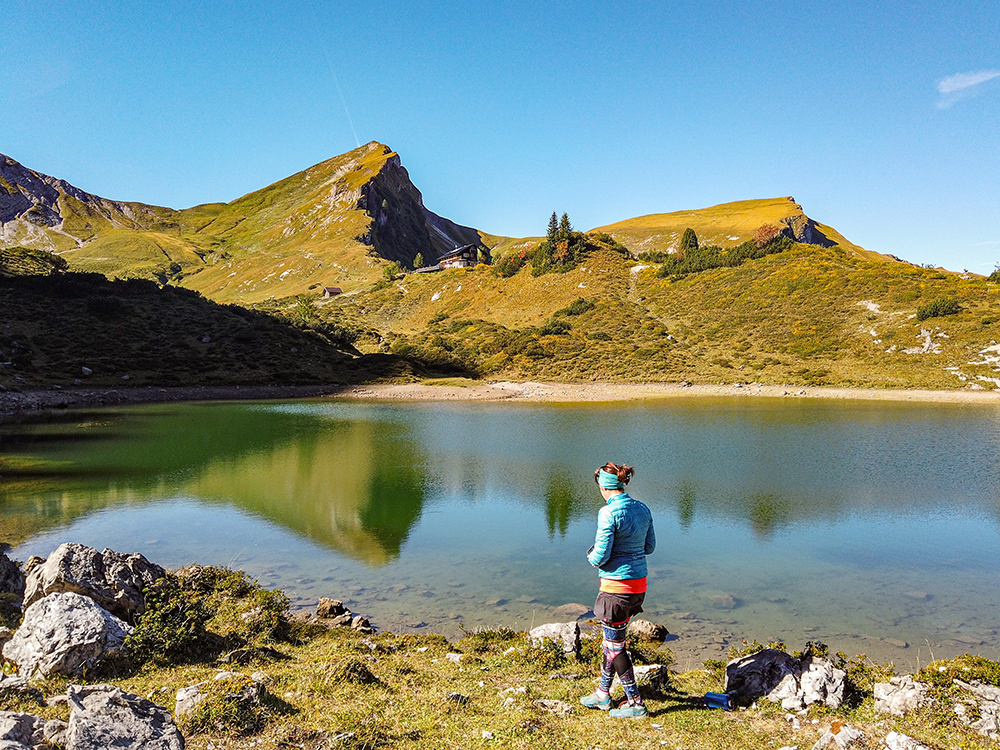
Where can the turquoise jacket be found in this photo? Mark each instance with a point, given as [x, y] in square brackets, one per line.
[624, 538]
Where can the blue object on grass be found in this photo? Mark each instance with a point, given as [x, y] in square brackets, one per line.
[719, 700]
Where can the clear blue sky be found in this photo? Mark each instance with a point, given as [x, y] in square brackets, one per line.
[881, 119]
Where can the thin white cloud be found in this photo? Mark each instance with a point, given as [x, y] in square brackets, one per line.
[960, 86]
[961, 81]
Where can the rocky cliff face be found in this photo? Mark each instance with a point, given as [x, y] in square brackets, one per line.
[401, 225]
[40, 210]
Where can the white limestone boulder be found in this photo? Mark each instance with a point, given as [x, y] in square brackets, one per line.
[65, 634]
[103, 716]
[112, 579]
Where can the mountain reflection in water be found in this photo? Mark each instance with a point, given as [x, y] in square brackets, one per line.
[353, 486]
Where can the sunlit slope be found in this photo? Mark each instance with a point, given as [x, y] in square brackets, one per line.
[809, 316]
[726, 225]
[328, 225]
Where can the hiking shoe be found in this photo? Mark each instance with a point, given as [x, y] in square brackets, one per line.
[594, 700]
[626, 711]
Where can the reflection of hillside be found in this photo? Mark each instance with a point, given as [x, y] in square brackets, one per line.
[351, 489]
[351, 485]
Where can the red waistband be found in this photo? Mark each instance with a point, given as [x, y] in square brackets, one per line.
[630, 586]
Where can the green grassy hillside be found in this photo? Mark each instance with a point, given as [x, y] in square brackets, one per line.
[726, 225]
[808, 315]
[333, 224]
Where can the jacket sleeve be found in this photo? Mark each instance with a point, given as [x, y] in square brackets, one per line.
[650, 538]
[605, 539]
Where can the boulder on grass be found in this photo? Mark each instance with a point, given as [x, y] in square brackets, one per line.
[755, 675]
[112, 579]
[899, 695]
[65, 634]
[20, 731]
[102, 717]
[794, 683]
[567, 634]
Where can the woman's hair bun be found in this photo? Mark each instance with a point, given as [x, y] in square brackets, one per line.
[623, 472]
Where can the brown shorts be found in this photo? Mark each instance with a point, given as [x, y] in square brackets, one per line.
[616, 608]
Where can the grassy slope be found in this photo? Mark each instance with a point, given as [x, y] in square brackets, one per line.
[296, 234]
[725, 225]
[795, 317]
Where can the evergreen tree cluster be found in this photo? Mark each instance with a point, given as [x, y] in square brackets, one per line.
[692, 258]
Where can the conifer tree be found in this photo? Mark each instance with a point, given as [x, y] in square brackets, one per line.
[553, 226]
[418, 260]
[689, 240]
[564, 227]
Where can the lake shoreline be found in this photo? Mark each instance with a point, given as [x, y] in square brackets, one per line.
[14, 403]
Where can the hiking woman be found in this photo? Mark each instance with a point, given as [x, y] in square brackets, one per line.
[624, 538]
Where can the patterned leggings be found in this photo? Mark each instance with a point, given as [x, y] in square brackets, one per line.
[617, 660]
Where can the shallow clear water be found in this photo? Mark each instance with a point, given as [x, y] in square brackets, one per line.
[857, 524]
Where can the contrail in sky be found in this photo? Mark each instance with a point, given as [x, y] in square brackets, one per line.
[342, 100]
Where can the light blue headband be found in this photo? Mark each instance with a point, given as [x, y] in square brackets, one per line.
[609, 481]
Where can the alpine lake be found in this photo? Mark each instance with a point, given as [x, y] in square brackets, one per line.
[873, 527]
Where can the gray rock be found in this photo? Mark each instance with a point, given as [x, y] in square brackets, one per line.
[20, 731]
[754, 676]
[112, 579]
[813, 681]
[65, 634]
[11, 577]
[654, 676]
[897, 741]
[550, 706]
[566, 633]
[14, 685]
[899, 695]
[102, 717]
[647, 630]
[988, 723]
[839, 735]
[456, 698]
[56, 732]
[247, 691]
[725, 601]
[361, 624]
[327, 609]
[786, 680]
[31, 563]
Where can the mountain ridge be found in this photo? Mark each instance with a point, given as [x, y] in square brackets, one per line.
[325, 225]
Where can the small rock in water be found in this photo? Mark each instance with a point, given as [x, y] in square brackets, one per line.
[920, 596]
[724, 601]
[897, 643]
[571, 611]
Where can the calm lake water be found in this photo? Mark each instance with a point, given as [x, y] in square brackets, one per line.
[872, 527]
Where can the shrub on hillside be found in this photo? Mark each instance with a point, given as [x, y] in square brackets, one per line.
[689, 240]
[509, 265]
[938, 308]
[712, 256]
[766, 234]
